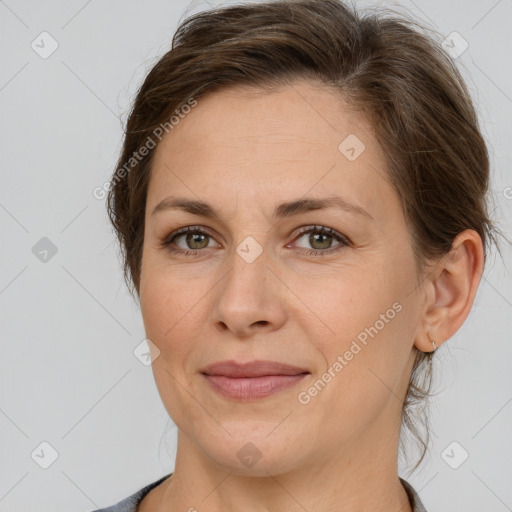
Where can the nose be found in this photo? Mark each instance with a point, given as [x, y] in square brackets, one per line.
[250, 298]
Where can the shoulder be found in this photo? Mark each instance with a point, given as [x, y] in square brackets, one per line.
[130, 503]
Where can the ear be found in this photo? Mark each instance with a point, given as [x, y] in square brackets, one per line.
[451, 290]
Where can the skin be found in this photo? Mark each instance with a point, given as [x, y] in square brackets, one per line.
[244, 151]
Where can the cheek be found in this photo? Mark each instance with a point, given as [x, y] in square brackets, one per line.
[358, 323]
[176, 309]
[167, 307]
[171, 323]
[363, 368]
[343, 300]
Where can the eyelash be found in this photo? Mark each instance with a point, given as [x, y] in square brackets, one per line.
[343, 240]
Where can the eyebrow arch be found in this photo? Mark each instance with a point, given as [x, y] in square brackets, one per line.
[287, 209]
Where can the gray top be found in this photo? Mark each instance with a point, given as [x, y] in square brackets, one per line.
[131, 503]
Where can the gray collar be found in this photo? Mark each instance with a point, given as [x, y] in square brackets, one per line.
[131, 503]
[416, 504]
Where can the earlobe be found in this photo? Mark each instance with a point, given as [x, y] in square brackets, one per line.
[453, 289]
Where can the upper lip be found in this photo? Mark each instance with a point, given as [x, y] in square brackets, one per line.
[257, 368]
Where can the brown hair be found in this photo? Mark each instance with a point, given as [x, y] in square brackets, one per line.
[383, 65]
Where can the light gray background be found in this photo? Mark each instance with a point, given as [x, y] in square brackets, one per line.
[69, 327]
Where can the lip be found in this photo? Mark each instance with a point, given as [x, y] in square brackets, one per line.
[257, 368]
[252, 380]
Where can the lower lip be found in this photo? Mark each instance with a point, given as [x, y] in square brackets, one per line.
[252, 388]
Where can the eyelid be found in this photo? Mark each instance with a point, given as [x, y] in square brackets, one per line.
[343, 240]
[187, 229]
[322, 229]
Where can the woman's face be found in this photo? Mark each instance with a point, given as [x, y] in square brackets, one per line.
[262, 282]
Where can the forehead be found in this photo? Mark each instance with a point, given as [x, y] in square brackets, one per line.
[247, 115]
[295, 138]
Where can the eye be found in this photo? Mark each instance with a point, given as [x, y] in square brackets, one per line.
[193, 239]
[321, 239]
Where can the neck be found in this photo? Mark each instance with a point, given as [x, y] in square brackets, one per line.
[360, 476]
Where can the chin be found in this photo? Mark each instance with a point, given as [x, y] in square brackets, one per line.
[251, 451]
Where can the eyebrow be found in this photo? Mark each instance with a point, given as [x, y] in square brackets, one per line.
[283, 210]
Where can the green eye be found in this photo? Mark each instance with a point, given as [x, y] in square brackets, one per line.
[320, 239]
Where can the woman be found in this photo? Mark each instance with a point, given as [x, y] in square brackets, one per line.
[301, 205]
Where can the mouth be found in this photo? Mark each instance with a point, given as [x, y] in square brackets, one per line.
[253, 380]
